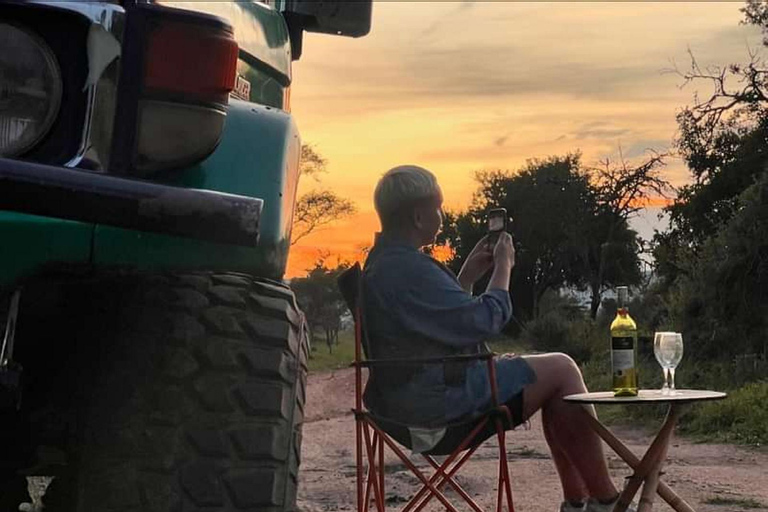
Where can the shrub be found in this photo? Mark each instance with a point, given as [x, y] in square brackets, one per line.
[741, 418]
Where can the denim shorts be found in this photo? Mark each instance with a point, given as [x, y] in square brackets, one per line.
[513, 374]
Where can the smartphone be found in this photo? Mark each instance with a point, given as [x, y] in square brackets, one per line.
[497, 224]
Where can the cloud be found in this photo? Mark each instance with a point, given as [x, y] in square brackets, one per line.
[641, 148]
[508, 53]
[445, 19]
[499, 142]
[598, 130]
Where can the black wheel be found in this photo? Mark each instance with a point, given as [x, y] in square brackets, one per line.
[195, 401]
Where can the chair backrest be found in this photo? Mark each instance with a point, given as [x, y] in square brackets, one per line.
[349, 285]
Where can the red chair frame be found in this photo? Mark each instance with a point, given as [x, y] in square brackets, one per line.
[371, 440]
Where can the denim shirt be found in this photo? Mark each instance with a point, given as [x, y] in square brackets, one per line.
[415, 307]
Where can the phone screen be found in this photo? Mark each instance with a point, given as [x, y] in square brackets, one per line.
[495, 223]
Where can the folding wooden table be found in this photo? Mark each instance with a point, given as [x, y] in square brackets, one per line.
[647, 469]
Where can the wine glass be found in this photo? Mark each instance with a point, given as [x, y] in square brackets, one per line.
[671, 351]
[664, 366]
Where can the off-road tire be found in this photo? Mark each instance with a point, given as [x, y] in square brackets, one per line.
[196, 401]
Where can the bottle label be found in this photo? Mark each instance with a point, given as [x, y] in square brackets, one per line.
[622, 354]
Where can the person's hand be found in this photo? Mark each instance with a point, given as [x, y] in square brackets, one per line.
[479, 261]
[504, 251]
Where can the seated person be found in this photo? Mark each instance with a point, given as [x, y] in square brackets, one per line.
[416, 308]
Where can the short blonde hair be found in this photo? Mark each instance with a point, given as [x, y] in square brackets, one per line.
[401, 187]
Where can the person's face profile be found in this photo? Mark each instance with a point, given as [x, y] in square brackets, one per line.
[428, 218]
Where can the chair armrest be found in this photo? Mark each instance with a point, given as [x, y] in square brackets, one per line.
[371, 363]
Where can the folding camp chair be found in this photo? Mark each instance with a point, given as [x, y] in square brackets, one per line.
[459, 441]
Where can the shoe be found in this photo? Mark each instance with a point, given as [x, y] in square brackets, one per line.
[567, 507]
[595, 506]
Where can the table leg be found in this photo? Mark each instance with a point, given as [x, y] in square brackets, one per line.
[650, 462]
[652, 480]
[674, 501]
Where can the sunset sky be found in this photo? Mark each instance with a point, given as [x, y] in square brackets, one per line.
[461, 86]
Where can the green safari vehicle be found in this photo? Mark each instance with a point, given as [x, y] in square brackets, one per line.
[152, 358]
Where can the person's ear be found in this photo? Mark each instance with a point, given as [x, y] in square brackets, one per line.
[417, 217]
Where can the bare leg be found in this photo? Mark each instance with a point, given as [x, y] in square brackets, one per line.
[575, 444]
[574, 488]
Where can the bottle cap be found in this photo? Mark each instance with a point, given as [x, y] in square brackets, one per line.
[622, 293]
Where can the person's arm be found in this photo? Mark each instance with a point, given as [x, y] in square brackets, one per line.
[431, 303]
[504, 262]
[479, 261]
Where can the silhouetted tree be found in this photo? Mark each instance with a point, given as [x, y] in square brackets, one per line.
[620, 191]
[562, 224]
[714, 257]
[317, 208]
[321, 301]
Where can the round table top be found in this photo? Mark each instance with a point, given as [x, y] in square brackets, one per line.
[645, 396]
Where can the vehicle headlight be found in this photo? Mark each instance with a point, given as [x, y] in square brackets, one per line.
[30, 89]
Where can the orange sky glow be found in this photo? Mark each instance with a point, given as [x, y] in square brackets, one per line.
[458, 87]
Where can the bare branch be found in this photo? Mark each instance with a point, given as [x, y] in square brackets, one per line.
[318, 208]
[622, 188]
[312, 163]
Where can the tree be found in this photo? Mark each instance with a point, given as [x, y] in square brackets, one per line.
[714, 256]
[321, 300]
[316, 208]
[570, 224]
[723, 138]
[722, 301]
[555, 219]
[312, 163]
[620, 191]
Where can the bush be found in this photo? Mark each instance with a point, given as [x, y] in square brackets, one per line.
[741, 418]
[562, 327]
[720, 301]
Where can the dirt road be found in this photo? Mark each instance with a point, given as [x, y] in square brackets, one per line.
[711, 477]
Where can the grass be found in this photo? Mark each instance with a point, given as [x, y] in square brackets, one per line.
[741, 419]
[738, 502]
[320, 359]
[504, 345]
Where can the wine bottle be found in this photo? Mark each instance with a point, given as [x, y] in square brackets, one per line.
[624, 348]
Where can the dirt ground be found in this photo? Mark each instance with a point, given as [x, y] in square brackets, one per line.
[710, 477]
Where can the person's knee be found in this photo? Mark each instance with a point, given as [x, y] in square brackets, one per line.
[563, 361]
[565, 365]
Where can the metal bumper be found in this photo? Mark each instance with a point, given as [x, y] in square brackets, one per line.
[132, 204]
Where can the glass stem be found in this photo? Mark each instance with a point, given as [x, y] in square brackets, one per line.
[671, 379]
[666, 378]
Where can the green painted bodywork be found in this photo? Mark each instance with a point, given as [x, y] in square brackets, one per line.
[265, 88]
[32, 244]
[258, 156]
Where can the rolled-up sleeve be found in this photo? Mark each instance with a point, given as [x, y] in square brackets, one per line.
[436, 306]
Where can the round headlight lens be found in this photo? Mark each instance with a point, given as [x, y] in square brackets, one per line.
[30, 89]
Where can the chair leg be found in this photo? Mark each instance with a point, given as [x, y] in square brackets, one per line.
[368, 484]
[381, 473]
[437, 475]
[359, 457]
[504, 480]
[419, 474]
[373, 485]
[447, 478]
[373, 479]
